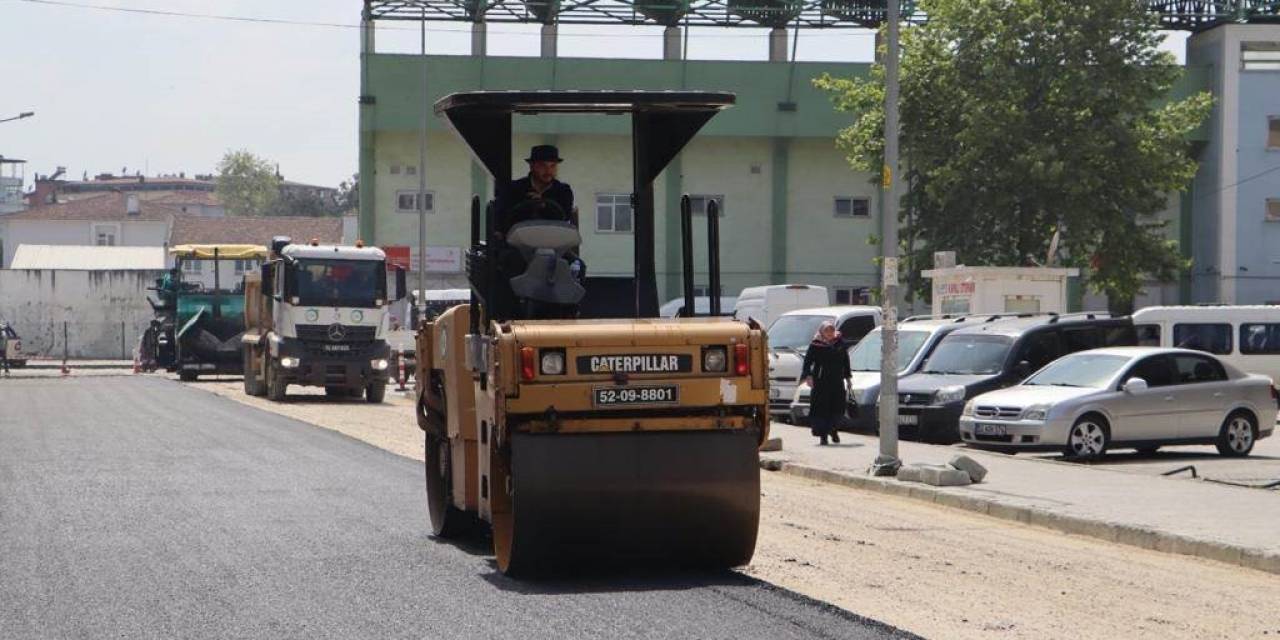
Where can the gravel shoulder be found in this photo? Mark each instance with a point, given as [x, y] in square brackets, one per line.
[933, 571]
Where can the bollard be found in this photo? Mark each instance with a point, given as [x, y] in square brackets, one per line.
[400, 360]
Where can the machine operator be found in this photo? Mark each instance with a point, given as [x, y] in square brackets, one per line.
[539, 195]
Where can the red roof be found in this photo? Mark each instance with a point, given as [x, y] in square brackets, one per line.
[108, 207]
[191, 229]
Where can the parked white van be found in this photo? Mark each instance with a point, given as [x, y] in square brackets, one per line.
[789, 338]
[1248, 337]
[766, 304]
[701, 306]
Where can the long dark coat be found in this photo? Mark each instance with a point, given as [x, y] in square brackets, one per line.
[829, 366]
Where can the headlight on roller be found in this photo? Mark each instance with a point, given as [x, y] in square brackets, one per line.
[289, 362]
[715, 359]
[552, 362]
[947, 395]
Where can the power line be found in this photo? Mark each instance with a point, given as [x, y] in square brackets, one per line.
[383, 27]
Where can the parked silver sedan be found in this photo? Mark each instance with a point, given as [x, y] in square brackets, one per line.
[1125, 397]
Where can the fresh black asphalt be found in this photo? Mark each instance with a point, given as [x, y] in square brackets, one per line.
[136, 507]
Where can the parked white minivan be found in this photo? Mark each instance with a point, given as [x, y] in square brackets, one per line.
[1248, 337]
[789, 338]
[766, 304]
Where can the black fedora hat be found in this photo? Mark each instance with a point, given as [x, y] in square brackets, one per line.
[544, 152]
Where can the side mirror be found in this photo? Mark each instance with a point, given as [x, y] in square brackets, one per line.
[402, 287]
[1135, 385]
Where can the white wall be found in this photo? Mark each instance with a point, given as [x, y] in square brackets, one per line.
[131, 233]
[99, 309]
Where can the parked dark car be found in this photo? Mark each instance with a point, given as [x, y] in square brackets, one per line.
[994, 355]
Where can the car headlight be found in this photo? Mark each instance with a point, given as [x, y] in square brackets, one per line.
[1036, 412]
[947, 395]
[380, 364]
[289, 362]
[552, 362]
[968, 409]
[715, 359]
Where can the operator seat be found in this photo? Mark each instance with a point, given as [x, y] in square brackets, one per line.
[547, 286]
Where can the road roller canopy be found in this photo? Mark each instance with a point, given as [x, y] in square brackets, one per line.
[662, 123]
[219, 251]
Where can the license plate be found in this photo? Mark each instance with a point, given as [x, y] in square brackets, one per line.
[991, 430]
[337, 347]
[908, 419]
[636, 395]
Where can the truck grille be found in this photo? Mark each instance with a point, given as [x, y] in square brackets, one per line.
[350, 333]
[1003, 413]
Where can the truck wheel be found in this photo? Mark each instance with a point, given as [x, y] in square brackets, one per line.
[187, 375]
[252, 385]
[375, 392]
[276, 386]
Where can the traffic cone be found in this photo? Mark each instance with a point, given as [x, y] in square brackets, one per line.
[401, 387]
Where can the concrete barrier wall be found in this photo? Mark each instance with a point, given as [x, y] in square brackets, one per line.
[104, 311]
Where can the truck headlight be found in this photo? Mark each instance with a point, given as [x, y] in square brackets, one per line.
[290, 362]
[380, 364]
[552, 363]
[947, 395]
[1036, 412]
[715, 359]
[968, 409]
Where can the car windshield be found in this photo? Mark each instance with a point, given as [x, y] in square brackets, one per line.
[961, 354]
[339, 283]
[866, 356]
[794, 332]
[1091, 370]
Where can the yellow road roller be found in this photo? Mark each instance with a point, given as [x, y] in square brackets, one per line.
[584, 433]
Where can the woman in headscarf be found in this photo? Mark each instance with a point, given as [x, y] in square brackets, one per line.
[826, 371]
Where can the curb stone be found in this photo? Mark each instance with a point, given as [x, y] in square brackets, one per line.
[1129, 535]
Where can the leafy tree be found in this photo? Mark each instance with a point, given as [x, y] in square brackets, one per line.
[1022, 117]
[349, 194]
[247, 184]
[303, 203]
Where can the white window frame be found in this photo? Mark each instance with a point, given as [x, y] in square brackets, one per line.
[99, 229]
[614, 199]
[192, 266]
[698, 203]
[244, 266]
[853, 214]
[413, 193]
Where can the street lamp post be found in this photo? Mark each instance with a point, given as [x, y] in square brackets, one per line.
[24, 114]
[888, 463]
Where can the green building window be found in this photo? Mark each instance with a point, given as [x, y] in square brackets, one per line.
[850, 207]
[613, 213]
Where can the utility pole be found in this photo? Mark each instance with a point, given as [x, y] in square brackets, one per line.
[887, 463]
[421, 200]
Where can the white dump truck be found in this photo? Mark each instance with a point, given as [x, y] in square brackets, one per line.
[318, 315]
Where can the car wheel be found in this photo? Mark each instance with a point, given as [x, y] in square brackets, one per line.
[1088, 438]
[1237, 435]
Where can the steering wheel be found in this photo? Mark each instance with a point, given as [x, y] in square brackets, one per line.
[540, 213]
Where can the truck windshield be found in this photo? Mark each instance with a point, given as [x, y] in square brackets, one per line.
[969, 355]
[794, 332]
[339, 283]
[866, 356]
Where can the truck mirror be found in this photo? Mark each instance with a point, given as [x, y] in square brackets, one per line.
[268, 280]
[401, 283]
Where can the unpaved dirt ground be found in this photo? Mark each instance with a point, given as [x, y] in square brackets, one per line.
[937, 572]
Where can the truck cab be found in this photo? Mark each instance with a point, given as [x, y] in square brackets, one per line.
[318, 315]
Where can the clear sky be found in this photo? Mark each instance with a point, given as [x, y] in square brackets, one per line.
[163, 94]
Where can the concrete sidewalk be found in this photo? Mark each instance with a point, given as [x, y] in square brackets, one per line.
[1229, 524]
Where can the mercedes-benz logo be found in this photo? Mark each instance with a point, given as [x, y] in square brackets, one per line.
[336, 332]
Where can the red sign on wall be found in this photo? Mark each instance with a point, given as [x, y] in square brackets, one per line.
[398, 256]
